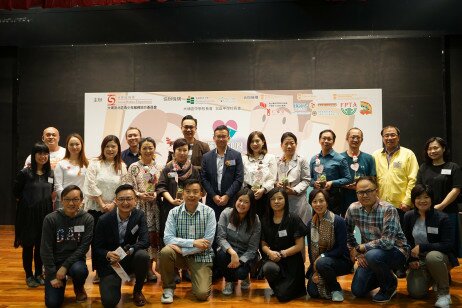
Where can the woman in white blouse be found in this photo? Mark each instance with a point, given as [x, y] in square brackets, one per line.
[260, 169]
[72, 168]
[104, 175]
[294, 176]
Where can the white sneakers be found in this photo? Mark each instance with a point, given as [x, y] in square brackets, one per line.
[337, 296]
[245, 284]
[443, 301]
[167, 297]
[228, 289]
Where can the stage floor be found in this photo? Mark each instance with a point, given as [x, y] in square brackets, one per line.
[15, 293]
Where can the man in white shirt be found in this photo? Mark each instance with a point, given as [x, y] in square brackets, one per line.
[50, 137]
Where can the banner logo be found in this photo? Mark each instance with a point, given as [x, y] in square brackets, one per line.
[366, 108]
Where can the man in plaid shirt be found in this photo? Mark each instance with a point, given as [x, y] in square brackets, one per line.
[188, 236]
[384, 247]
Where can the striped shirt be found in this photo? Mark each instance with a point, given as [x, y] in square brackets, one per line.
[182, 228]
[380, 229]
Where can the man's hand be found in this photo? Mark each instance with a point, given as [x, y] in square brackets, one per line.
[361, 260]
[328, 185]
[56, 283]
[61, 273]
[112, 257]
[223, 200]
[217, 199]
[201, 244]
[404, 207]
[176, 248]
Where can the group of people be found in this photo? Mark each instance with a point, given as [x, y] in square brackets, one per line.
[141, 218]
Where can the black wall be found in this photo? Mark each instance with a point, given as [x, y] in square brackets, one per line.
[8, 97]
[397, 46]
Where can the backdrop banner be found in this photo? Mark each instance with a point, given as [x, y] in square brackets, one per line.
[302, 112]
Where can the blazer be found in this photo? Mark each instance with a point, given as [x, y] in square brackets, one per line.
[199, 148]
[442, 240]
[233, 175]
[106, 237]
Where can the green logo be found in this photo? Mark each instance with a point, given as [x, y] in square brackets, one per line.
[190, 100]
[349, 111]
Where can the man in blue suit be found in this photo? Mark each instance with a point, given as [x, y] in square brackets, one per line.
[222, 172]
[123, 227]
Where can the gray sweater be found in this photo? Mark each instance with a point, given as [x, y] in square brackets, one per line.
[244, 243]
[65, 240]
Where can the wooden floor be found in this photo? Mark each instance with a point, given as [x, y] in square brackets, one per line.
[15, 293]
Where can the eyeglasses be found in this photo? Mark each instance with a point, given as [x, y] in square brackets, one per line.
[125, 199]
[73, 200]
[365, 192]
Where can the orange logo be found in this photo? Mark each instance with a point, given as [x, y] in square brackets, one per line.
[366, 108]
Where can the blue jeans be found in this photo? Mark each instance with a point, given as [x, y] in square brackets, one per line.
[378, 273]
[54, 297]
[231, 274]
[329, 268]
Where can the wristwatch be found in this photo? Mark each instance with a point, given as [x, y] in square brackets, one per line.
[358, 249]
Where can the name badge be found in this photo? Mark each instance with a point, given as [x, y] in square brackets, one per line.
[231, 162]
[282, 233]
[50, 180]
[397, 164]
[432, 230]
[172, 175]
[135, 228]
[231, 227]
[79, 228]
[446, 171]
[192, 230]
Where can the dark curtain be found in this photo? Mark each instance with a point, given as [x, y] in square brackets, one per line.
[25, 4]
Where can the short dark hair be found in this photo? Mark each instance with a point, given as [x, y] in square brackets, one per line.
[260, 135]
[287, 135]
[188, 117]
[390, 126]
[369, 178]
[125, 187]
[327, 131]
[192, 181]
[179, 143]
[442, 143]
[348, 132]
[221, 127]
[420, 189]
[132, 127]
[70, 188]
[316, 191]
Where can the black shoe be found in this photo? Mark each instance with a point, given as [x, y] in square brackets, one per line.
[185, 276]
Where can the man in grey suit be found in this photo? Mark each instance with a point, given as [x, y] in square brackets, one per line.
[222, 172]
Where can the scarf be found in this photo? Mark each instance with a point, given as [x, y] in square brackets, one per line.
[322, 239]
[183, 172]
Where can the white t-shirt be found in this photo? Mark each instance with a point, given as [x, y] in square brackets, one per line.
[55, 157]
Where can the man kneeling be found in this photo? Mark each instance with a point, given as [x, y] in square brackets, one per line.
[124, 227]
[188, 236]
[66, 238]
